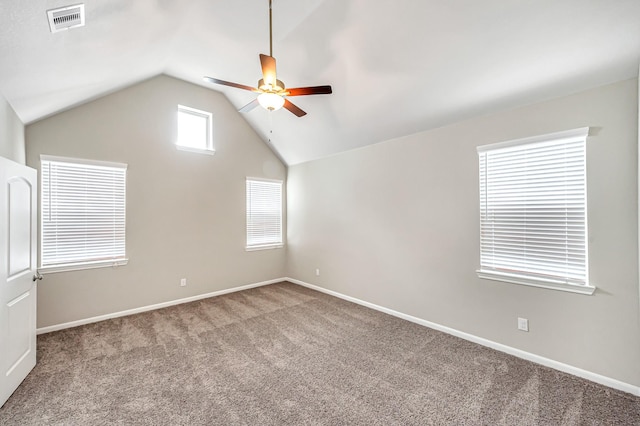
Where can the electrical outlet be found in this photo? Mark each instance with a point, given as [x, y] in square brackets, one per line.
[317, 272]
[183, 282]
[523, 324]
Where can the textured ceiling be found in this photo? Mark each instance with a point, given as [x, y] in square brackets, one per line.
[396, 66]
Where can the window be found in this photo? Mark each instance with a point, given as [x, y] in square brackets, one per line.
[82, 214]
[194, 130]
[264, 214]
[533, 217]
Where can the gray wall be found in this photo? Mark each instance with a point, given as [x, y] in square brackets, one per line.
[185, 211]
[11, 133]
[397, 224]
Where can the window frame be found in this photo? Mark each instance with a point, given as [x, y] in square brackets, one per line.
[520, 276]
[114, 261]
[272, 244]
[209, 150]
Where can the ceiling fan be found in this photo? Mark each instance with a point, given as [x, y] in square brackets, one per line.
[272, 93]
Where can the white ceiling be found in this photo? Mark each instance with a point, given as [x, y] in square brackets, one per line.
[396, 66]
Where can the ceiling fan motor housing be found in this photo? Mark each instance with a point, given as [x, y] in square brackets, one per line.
[279, 86]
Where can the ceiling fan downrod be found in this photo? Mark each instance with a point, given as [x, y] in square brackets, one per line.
[270, 32]
[272, 93]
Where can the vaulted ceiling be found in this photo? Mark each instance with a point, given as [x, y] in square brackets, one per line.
[396, 66]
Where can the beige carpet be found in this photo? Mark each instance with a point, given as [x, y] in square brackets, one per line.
[286, 355]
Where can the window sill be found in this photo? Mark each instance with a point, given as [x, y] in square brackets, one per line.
[514, 279]
[196, 150]
[82, 266]
[264, 247]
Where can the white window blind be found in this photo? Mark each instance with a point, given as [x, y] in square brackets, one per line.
[264, 214]
[82, 213]
[533, 217]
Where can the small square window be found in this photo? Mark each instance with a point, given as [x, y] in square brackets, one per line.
[194, 130]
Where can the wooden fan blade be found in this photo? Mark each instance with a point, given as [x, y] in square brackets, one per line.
[316, 90]
[248, 107]
[228, 83]
[294, 109]
[268, 64]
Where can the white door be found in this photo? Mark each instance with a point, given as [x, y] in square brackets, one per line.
[18, 211]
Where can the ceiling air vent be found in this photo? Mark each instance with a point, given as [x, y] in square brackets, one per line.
[66, 17]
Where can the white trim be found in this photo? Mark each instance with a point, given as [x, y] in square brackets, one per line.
[638, 175]
[264, 247]
[141, 309]
[83, 161]
[81, 266]
[196, 150]
[549, 284]
[280, 181]
[579, 133]
[594, 377]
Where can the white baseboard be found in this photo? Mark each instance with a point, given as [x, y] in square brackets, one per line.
[124, 313]
[594, 377]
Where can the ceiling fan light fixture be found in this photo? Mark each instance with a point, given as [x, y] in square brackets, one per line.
[271, 101]
[272, 91]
